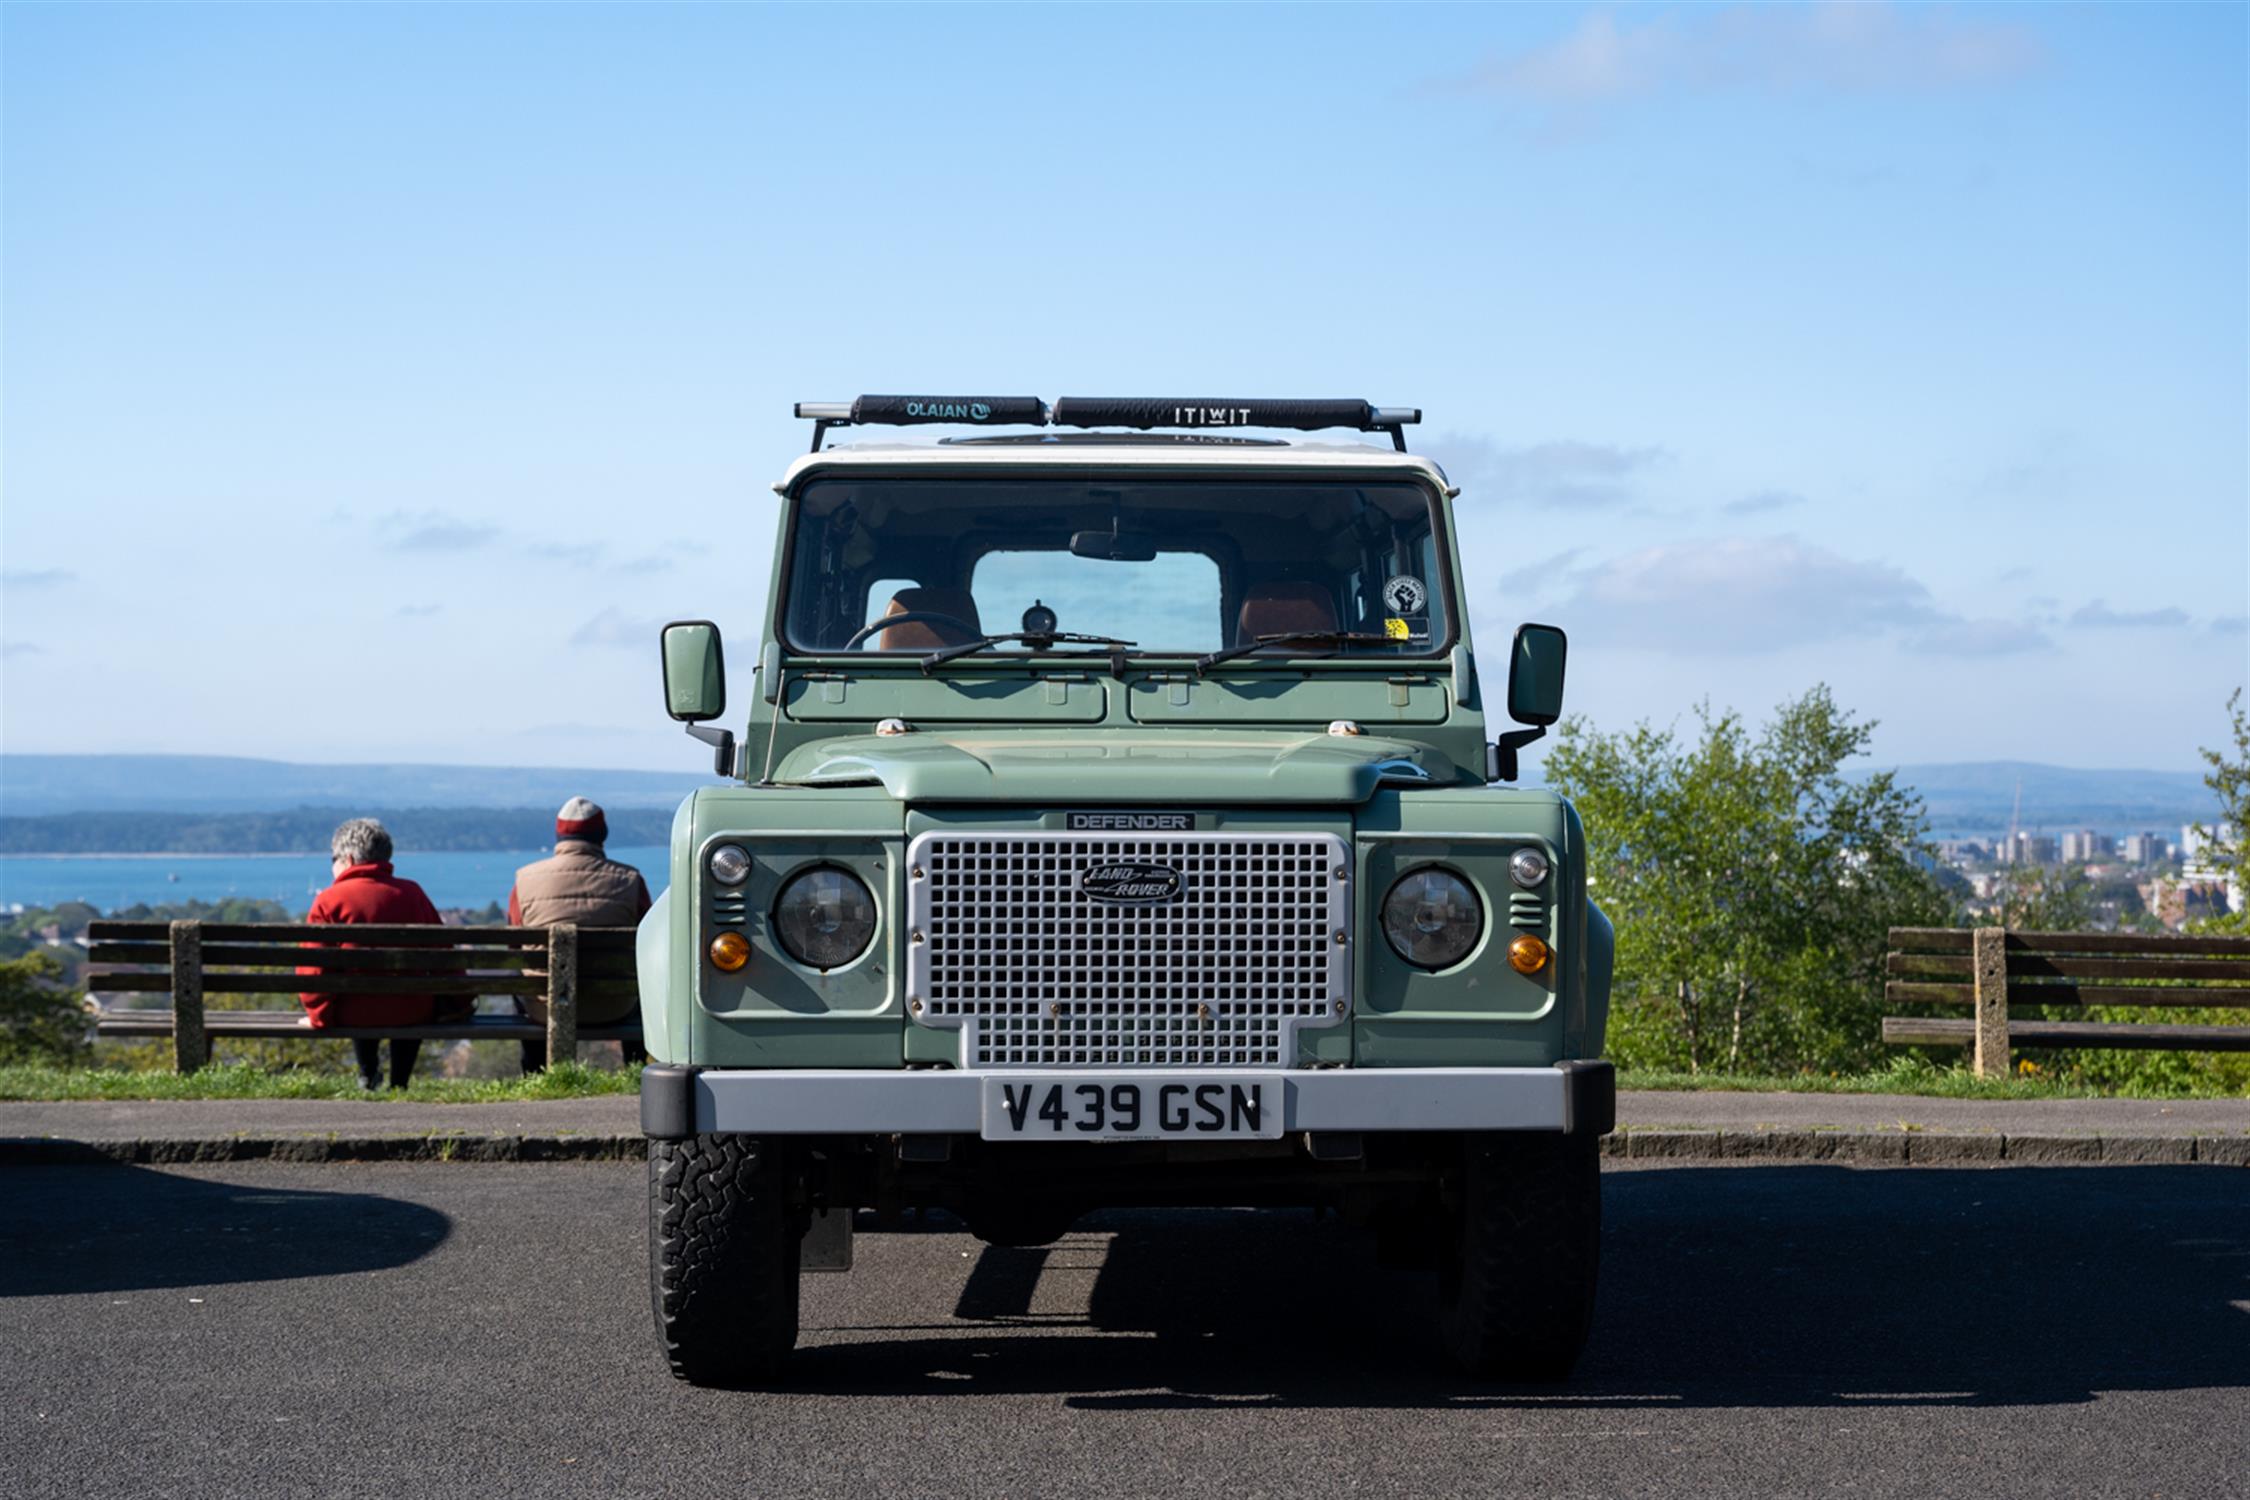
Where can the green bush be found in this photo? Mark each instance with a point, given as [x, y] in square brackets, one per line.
[41, 1019]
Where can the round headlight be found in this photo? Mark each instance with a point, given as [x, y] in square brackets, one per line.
[1432, 918]
[1527, 867]
[730, 864]
[824, 917]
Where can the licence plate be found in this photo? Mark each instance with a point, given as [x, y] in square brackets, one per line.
[1198, 1107]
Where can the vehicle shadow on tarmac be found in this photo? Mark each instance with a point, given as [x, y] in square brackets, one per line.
[115, 1229]
[1771, 1286]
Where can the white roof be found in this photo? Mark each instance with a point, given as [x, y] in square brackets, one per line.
[1108, 453]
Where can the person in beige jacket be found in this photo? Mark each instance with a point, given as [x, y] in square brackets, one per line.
[578, 883]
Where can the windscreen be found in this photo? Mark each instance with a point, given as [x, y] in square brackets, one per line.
[1171, 567]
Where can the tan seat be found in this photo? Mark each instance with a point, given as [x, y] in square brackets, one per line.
[929, 635]
[1283, 606]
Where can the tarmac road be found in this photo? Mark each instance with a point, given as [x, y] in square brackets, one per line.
[482, 1330]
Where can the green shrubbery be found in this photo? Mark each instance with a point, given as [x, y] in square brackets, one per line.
[1753, 883]
[42, 1020]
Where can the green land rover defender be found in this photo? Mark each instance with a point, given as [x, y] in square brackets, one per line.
[1115, 824]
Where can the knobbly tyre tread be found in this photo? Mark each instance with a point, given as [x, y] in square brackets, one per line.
[1516, 1288]
[722, 1257]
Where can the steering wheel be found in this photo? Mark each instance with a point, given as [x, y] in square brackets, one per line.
[909, 617]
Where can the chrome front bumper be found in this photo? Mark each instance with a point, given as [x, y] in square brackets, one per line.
[1569, 1098]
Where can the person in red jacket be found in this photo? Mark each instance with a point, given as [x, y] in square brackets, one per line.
[365, 890]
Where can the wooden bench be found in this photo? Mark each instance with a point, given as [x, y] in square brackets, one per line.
[563, 964]
[1992, 968]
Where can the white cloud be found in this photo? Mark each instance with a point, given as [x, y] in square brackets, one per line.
[35, 578]
[1554, 473]
[1763, 501]
[1743, 594]
[1980, 637]
[613, 627]
[1535, 578]
[2099, 616]
[431, 532]
[579, 554]
[21, 648]
[1826, 48]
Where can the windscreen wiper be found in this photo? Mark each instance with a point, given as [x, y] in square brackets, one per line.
[1204, 664]
[1036, 641]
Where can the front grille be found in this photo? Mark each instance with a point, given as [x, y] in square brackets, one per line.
[1004, 944]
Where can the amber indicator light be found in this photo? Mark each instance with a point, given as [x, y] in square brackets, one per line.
[1527, 955]
[730, 951]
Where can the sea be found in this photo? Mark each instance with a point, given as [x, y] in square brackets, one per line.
[463, 878]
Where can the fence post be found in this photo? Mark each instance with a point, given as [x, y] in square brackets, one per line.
[190, 1047]
[562, 993]
[1990, 960]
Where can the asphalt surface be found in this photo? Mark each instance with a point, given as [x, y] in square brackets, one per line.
[392, 1329]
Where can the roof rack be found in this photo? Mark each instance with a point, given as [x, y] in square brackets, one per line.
[1140, 412]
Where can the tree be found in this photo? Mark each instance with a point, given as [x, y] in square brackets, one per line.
[39, 1022]
[2226, 848]
[1753, 884]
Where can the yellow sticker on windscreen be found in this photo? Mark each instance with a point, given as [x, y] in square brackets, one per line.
[1396, 629]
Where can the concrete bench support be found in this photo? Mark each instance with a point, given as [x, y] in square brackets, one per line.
[1989, 954]
[562, 993]
[191, 1049]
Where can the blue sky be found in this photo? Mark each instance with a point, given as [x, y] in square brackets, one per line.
[443, 352]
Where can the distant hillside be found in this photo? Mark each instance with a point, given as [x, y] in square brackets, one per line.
[306, 830]
[219, 804]
[1977, 797]
[37, 784]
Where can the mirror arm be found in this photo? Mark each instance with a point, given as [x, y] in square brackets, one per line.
[722, 759]
[1505, 766]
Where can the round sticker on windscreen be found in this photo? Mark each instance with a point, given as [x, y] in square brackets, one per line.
[1406, 595]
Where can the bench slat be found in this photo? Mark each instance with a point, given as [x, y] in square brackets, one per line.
[2153, 945]
[291, 1025]
[223, 983]
[2132, 1035]
[1931, 939]
[2111, 994]
[1907, 992]
[382, 934]
[337, 960]
[2040, 965]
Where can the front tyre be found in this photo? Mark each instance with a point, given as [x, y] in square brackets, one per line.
[722, 1256]
[1519, 1258]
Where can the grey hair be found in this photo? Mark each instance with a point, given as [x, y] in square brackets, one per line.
[362, 841]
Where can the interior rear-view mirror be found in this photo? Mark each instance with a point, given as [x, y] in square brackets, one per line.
[1113, 546]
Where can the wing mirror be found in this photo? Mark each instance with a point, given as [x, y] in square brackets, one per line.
[1535, 674]
[1535, 695]
[695, 685]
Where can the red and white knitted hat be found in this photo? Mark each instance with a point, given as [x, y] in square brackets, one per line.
[581, 819]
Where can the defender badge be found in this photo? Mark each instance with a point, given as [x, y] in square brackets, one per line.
[1130, 885]
[1131, 822]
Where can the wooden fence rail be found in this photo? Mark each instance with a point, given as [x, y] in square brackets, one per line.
[563, 964]
[1990, 969]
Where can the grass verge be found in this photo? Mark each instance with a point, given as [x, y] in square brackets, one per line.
[1911, 1077]
[40, 1083]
